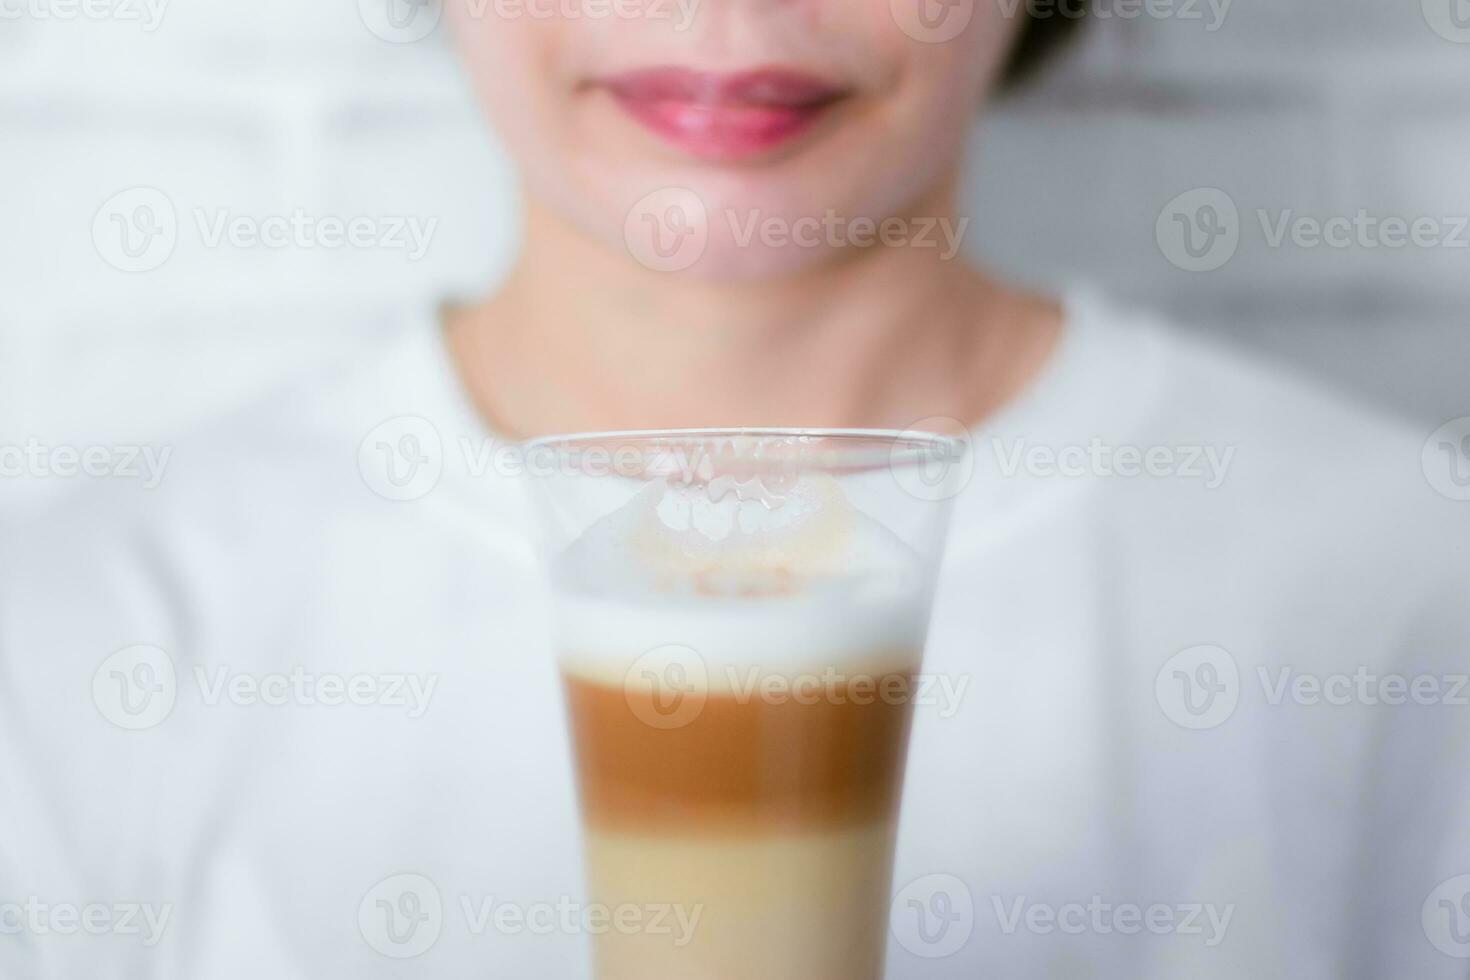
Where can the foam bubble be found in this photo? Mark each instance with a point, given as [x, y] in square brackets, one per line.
[741, 573]
[676, 539]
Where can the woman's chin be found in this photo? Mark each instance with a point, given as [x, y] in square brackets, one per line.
[733, 262]
[727, 229]
[715, 252]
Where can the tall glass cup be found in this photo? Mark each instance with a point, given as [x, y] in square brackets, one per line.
[740, 616]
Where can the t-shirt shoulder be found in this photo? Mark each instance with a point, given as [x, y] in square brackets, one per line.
[292, 444]
[1325, 469]
[1198, 383]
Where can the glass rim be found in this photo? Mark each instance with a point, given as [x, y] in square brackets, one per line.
[889, 439]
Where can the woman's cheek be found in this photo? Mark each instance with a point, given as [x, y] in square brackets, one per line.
[509, 65]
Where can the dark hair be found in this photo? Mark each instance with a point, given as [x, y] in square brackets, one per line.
[1040, 37]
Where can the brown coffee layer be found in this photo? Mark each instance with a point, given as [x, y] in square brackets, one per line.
[742, 763]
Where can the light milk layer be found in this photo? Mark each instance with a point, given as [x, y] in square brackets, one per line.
[808, 906]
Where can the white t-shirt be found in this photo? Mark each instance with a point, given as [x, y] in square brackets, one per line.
[263, 721]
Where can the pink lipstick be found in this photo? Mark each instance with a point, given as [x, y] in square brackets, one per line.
[724, 116]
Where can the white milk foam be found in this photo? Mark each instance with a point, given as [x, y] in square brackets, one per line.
[798, 581]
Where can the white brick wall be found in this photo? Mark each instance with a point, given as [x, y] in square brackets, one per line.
[265, 106]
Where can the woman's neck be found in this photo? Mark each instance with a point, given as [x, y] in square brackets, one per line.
[581, 337]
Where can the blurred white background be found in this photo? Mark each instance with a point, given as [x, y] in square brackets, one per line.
[267, 108]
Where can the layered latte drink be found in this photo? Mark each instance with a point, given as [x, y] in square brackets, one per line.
[738, 664]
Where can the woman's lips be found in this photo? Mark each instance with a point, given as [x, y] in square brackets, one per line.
[723, 116]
